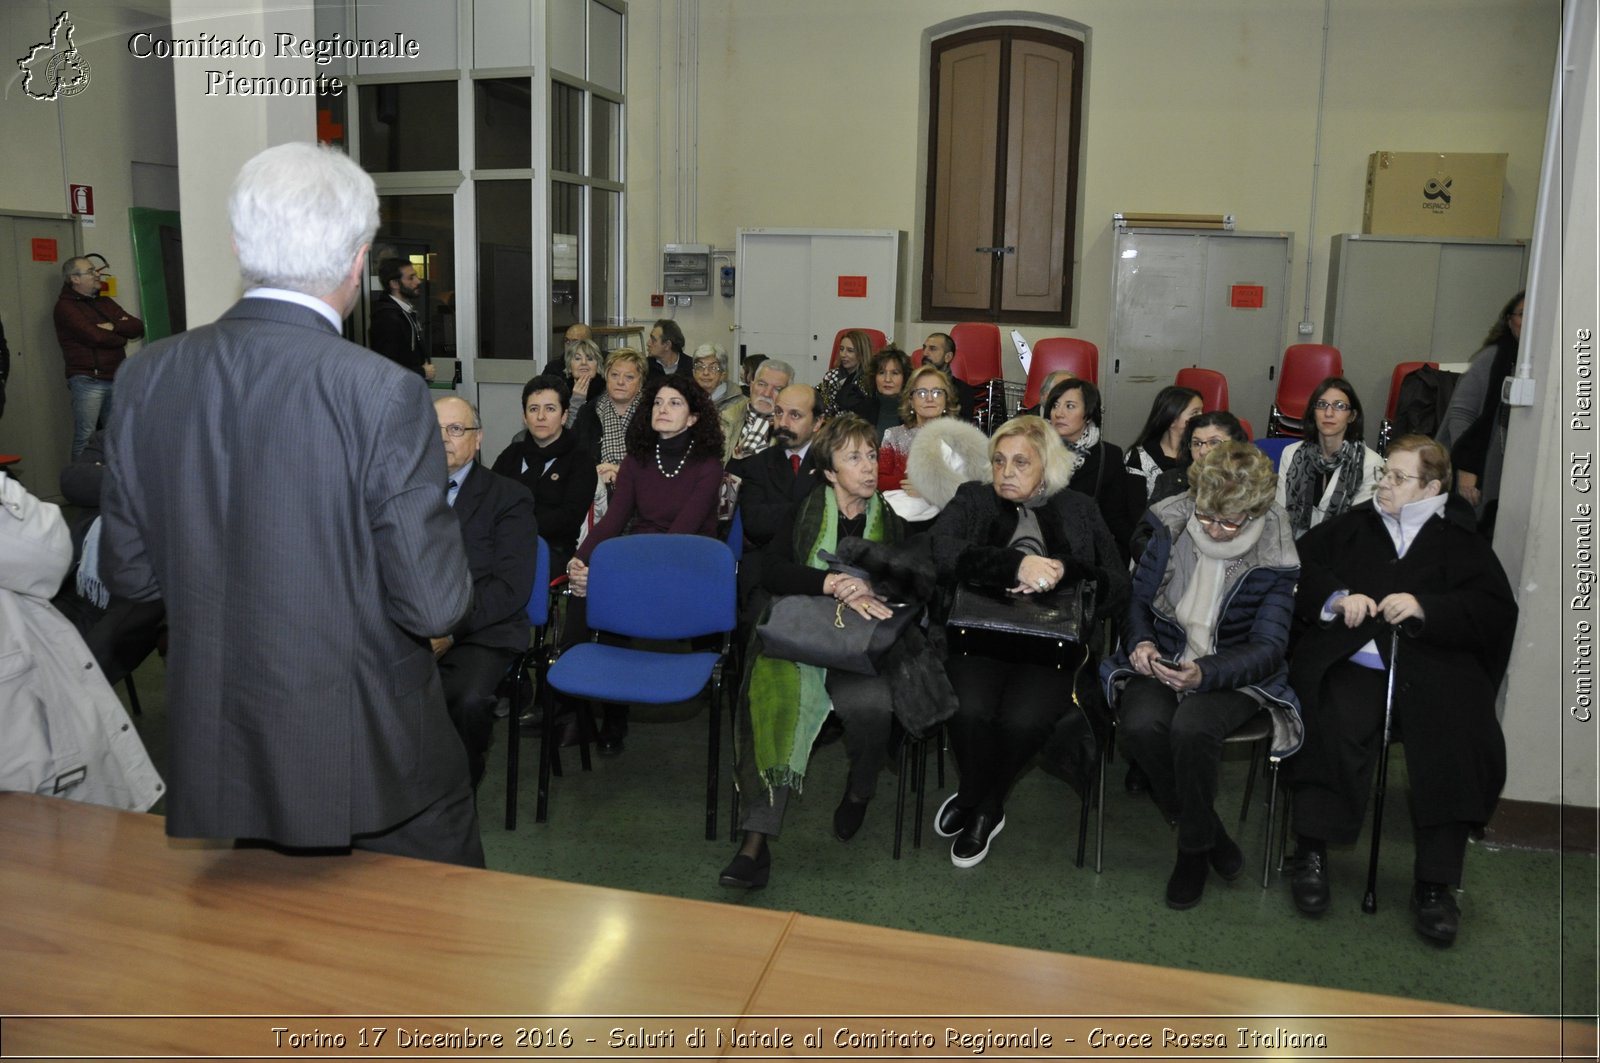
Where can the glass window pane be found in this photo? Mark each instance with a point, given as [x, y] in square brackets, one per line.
[605, 139]
[565, 26]
[566, 226]
[408, 126]
[605, 282]
[421, 230]
[605, 47]
[503, 129]
[566, 128]
[505, 264]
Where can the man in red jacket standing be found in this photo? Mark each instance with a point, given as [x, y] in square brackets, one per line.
[93, 332]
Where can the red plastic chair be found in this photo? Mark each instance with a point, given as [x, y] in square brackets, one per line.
[1078, 357]
[1212, 386]
[977, 352]
[1305, 365]
[877, 337]
[1248, 431]
[1401, 371]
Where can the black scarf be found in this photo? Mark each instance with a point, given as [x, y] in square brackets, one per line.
[1308, 474]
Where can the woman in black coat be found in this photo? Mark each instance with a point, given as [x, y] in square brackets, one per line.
[1023, 534]
[1073, 409]
[547, 460]
[1411, 561]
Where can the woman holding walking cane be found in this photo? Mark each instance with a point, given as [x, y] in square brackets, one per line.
[1402, 583]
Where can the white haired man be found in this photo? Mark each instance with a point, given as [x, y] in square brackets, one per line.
[747, 423]
[284, 491]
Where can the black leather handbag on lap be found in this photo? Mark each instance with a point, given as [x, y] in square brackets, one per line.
[1047, 628]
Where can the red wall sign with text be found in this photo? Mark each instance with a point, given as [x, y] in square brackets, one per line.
[1247, 296]
[852, 287]
[44, 249]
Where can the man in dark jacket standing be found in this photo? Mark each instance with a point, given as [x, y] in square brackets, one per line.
[395, 331]
[93, 332]
[284, 491]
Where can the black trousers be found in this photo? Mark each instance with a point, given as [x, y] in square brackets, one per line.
[445, 831]
[1332, 774]
[1005, 713]
[1178, 743]
[470, 674]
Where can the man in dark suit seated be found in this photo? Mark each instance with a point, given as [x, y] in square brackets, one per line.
[499, 531]
[939, 349]
[282, 489]
[775, 480]
[665, 347]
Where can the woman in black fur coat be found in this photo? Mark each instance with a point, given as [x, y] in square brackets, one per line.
[1023, 534]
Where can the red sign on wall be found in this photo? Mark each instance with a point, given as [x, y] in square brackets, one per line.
[44, 249]
[1248, 296]
[852, 287]
[81, 198]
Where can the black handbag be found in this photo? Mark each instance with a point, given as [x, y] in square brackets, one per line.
[1050, 628]
[816, 629]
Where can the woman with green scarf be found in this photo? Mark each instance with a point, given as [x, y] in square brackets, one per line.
[788, 702]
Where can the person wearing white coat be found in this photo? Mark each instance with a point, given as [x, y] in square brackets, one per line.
[63, 732]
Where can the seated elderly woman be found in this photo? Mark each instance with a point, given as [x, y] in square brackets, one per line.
[788, 702]
[545, 459]
[668, 482]
[602, 425]
[1325, 474]
[888, 371]
[582, 363]
[1203, 432]
[1025, 534]
[1403, 584]
[926, 397]
[1073, 410]
[711, 373]
[847, 386]
[1203, 649]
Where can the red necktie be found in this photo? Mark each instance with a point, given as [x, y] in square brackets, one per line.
[794, 463]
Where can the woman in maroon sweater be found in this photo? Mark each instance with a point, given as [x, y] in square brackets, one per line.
[668, 482]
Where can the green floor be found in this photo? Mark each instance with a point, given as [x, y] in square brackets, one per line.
[637, 822]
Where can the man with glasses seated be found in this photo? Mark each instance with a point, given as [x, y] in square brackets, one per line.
[93, 332]
[1326, 474]
[499, 531]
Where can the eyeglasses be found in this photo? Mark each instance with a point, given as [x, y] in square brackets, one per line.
[928, 393]
[1208, 521]
[1384, 474]
[456, 431]
[1323, 405]
[1205, 444]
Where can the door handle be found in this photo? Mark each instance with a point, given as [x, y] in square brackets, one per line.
[1143, 379]
[1007, 250]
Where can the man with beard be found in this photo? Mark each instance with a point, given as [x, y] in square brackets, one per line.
[778, 478]
[747, 424]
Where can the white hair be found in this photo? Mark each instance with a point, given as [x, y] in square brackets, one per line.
[712, 350]
[783, 367]
[300, 213]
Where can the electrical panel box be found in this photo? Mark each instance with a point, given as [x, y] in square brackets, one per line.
[686, 269]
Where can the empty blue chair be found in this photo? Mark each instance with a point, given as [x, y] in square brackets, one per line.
[538, 610]
[1274, 447]
[658, 587]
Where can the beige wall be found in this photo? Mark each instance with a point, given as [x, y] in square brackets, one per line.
[812, 115]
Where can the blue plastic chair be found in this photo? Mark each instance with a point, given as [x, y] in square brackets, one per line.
[658, 587]
[1274, 448]
[538, 610]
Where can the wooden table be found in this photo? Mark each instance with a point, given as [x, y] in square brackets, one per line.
[197, 951]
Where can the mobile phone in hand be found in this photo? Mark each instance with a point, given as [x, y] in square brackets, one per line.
[1168, 662]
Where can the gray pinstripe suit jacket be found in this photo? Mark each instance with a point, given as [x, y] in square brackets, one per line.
[283, 491]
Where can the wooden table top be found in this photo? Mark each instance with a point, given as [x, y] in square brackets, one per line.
[200, 951]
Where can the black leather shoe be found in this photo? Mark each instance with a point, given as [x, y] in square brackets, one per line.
[747, 872]
[1136, 781]
[1187, 883]
[1227, 859]
[612, 732]
[1438, 916]
[973, 843]
[951, 819]
[1308, 883]
[847, 817]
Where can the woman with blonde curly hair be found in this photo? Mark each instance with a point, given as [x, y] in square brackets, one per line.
[926, 397]
[1203, 649]
[1023, 534]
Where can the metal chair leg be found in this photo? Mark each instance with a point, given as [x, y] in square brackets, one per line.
[133, 695]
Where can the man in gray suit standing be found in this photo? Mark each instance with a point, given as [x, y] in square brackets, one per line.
[284, 491]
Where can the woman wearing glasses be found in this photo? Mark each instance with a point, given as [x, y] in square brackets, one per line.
[1203, 649]
[1323, 476]
[1411, 564]
[926, 397]
[1203, 432]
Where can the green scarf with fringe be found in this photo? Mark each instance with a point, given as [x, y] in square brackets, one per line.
[789, 701]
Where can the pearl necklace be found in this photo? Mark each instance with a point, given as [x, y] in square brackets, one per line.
[681, 463]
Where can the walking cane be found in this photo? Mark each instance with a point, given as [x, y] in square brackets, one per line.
[1369, 903]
